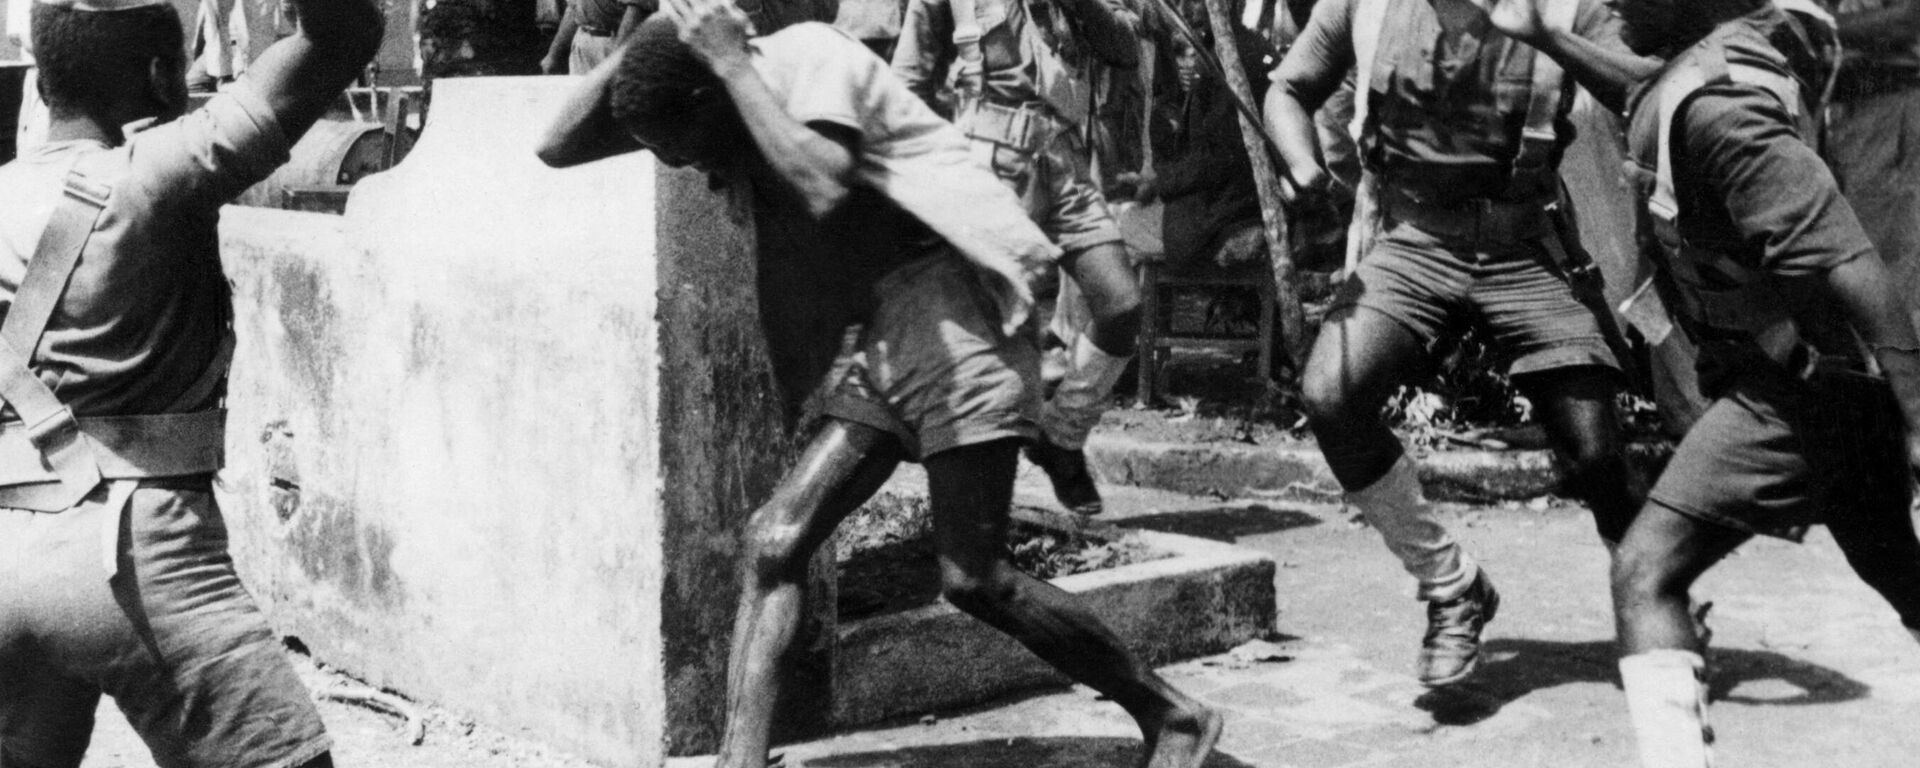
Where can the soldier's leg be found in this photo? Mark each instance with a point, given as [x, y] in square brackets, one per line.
[197, 671]
[1871, 516]
[1661, 667]
[842, 466]
[1097, 316]
[971, 489]
[1390, 312]
[1577, 405]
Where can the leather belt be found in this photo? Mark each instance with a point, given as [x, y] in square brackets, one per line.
[596, 30]
[1479, 219]
[1026, 127]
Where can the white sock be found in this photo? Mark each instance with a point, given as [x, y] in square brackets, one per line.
[1396, 507]
[1667, 701]
[1074, 410]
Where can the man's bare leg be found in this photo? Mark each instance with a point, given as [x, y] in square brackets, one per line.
[971, 489]
[841, 468]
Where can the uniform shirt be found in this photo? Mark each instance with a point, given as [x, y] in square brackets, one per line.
[925, 50]
[917, 193]
[1751, 188]
[1438, 121]
[148, 305]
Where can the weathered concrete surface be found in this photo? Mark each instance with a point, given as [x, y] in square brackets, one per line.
[1230, 469]
[473, 458]
[1207, 598]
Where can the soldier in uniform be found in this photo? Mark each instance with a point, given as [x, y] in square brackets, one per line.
[1874, 123]
[1756, 247]
[590, 31]
[1462, 129]
[114, 572]
[881, 217]
[1022, 96]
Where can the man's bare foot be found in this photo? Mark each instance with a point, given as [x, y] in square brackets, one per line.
[1183, 740]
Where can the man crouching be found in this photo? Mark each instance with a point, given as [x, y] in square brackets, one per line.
[889, 225]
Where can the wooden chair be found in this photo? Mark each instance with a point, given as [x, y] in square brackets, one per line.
[1159, 339]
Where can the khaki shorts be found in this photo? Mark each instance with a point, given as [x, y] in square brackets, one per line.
[1774, 454]
[174, 638]
[933, 368]
[1434, 285]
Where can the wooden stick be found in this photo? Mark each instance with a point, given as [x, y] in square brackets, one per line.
[1226, 46]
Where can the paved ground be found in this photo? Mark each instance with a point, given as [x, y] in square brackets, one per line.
[1812, 668]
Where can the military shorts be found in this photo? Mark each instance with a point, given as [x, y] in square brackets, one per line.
[1774, 454]
[1057, 188]
[932, 366]
[1433, 285]
[174, 638]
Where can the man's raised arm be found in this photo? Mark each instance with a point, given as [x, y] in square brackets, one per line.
[1606, 71]
[301, 76]
[584, 129]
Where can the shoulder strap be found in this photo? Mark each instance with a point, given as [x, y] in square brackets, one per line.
[50, 424]
[1369, 19]
[966, 41]
[1679, 85]
[1545, 96]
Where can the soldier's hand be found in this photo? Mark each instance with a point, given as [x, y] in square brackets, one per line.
[716, 30]
[1518, 19]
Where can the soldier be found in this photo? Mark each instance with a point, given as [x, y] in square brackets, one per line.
[1875, 119]
[1878, 539]
[1022, 95]
[589, 31]
[1462, 127]
[114, 571]
[881, 217]
[1753, 240]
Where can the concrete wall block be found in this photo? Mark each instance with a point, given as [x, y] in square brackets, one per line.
[474, 459]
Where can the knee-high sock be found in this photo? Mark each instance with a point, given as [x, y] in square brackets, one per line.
[1396, 507]
[1667, 701]
[1082, 396]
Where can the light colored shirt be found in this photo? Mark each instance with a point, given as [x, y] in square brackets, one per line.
[148, 306]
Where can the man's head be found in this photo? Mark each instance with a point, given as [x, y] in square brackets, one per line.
[671, 102]
[1663, 27]
[120, 59]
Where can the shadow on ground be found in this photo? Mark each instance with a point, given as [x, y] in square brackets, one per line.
[1225, 524]
[1052, 752]
[1517, 667]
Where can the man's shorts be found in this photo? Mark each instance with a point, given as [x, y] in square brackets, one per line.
[932, 366]
[1773, 454]
[1057, 188]
[1434, 285]
[174, 638]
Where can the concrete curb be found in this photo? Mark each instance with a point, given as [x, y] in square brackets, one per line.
[1240, 470]
[1207, 598]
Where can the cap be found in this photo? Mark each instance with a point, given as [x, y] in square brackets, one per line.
[102, 5]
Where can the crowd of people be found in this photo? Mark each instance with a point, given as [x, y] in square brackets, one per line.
[933, 201]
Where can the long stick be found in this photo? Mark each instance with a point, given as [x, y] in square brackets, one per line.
[1273, 214]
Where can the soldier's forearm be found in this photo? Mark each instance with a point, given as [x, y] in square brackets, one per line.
[1290, 123]
[1863, 288]
[1605, 72]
